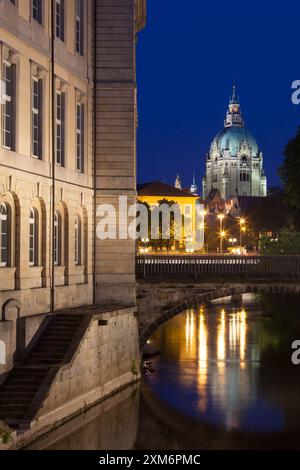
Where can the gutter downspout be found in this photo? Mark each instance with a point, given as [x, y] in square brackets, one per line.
[52, 104]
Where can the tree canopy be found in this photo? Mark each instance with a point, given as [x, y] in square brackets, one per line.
[290, 175]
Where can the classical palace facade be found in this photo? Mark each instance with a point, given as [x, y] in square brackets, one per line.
[234, 164]
[68, 129]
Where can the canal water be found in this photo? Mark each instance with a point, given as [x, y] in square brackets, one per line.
[224, 380]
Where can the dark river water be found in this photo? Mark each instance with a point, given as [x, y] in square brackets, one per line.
[224, 380]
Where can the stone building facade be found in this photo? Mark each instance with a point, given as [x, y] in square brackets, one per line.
[68, 128]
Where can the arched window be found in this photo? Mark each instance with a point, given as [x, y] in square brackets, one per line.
[4, 235]
[33, 238]
[78, 238]
[57, 239]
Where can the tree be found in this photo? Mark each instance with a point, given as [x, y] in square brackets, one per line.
[287, 243]
[290, 175]
[140, 243]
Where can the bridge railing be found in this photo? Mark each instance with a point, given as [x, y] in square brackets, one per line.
[230, 267]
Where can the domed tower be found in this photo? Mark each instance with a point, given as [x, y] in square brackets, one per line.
[235, 163]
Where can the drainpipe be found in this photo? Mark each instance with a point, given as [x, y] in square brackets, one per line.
[94, 148]
[52, 104]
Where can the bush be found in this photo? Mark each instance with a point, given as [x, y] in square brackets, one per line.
[287, 243]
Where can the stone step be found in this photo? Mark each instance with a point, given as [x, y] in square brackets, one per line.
[13, 407]
[60, 334]
[51, 342]
[64, 322]
[8, 396]
[44, 361]
[23, 383]
[50, 347]
[18, 400]
[69, 331]
[48, 350]
[25, 376]
[67, 317]
[47, 353]
[5, 416]
[19, 388]
[17, 381]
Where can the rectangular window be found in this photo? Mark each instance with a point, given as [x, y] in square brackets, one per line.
[37, 10]
[79, 27]
[9, 106]
[3, 235]
[60, 19]
[80, 137]
[187, 210]
[33, 237]
[37, 118]
[60, 128]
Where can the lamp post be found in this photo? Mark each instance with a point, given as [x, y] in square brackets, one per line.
[202, 224]
[222, 233]
[222, 236]
[242, 229]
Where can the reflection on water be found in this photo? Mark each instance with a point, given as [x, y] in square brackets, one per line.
[112, 425]
[224, 380]
[215, 362]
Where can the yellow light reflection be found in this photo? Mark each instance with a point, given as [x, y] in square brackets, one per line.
[202, 362]
[190, 341]
[221, 351]
[243, 337]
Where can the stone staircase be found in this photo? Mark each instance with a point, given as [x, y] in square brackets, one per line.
[23, 382]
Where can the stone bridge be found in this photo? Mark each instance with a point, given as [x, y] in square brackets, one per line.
[158, 302]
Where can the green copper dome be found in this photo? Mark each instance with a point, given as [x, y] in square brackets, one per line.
[232, 138]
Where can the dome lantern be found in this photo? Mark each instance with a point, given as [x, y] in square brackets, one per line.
[234, 116]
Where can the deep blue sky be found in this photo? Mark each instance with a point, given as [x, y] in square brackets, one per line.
[187, 57]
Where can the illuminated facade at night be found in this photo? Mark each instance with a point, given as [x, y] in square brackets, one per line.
[234, 164]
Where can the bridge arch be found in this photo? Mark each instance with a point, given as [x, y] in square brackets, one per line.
[146, 331]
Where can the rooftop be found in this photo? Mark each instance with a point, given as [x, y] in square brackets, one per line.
[156, 188]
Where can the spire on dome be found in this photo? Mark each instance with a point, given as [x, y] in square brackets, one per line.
[194, 188]
[234, 98]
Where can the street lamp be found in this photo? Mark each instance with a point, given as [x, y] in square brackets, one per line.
[242, 228]
[221, 217]
[222, 236]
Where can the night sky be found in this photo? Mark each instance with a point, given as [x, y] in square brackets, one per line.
[187, 57]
